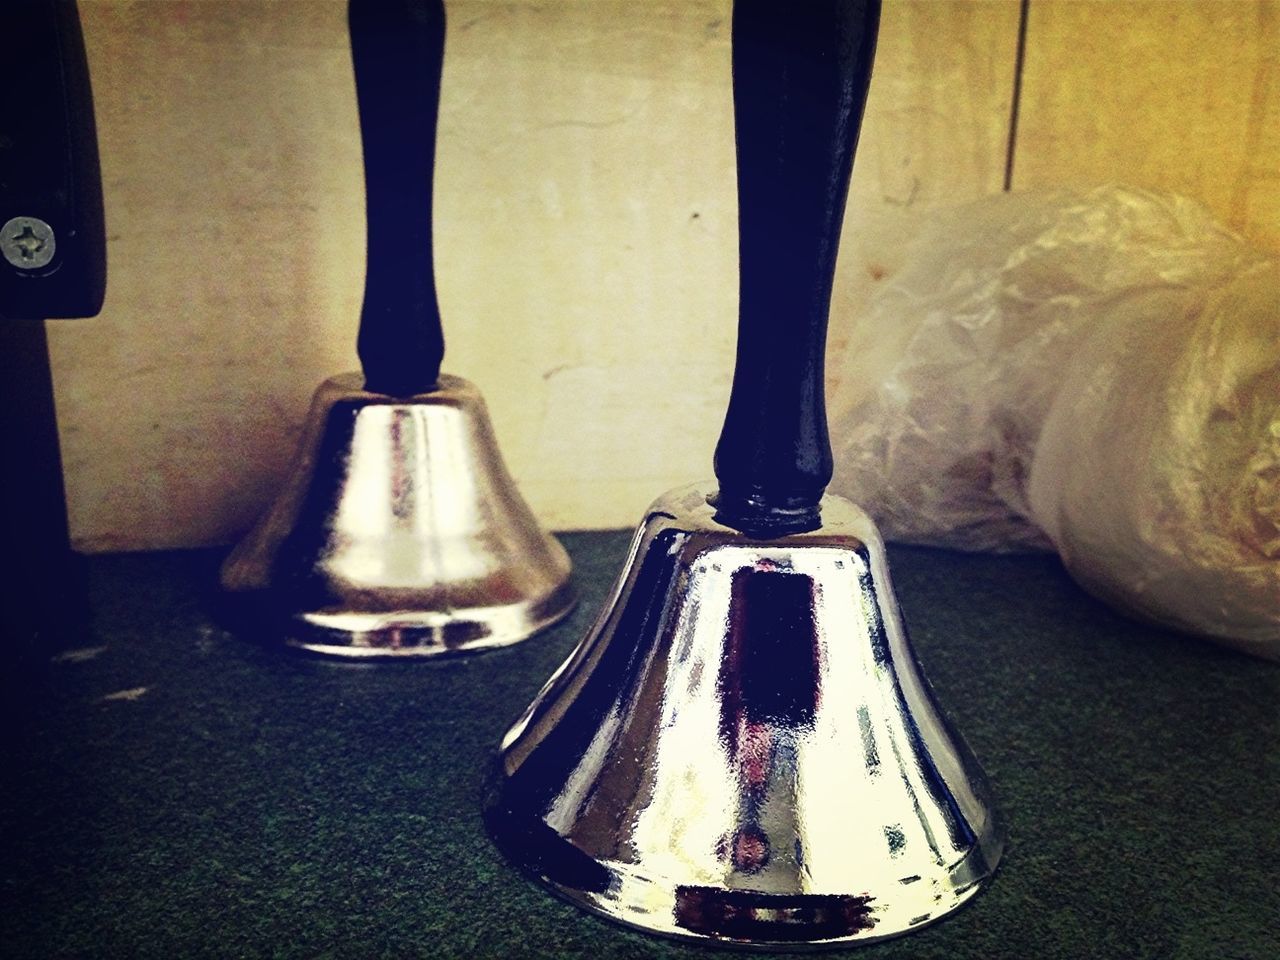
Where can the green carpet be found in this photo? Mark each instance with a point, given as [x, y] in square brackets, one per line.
[183, 793]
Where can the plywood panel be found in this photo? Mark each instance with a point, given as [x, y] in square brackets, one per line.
[235, 234]
[1182, 95]
[586, 229]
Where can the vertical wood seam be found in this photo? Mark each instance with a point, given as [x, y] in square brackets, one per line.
[1024, 8]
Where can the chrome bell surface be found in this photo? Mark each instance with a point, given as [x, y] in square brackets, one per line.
[744, 750]
[399, 534]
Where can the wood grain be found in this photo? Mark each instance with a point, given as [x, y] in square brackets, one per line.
[1180, 95]
[585, 229]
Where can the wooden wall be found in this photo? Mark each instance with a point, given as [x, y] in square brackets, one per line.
[585, 220]
[1182, 95]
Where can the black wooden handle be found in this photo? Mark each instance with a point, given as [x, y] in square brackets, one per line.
[397, 47]
[800, 77]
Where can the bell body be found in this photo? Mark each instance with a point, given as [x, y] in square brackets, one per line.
[399, 533]
[743, 749]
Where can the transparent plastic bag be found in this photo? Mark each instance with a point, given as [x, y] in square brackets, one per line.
[1097, 374]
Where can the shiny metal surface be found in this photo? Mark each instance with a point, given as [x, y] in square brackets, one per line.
[744, 750]
[28, 242]
[399, 534]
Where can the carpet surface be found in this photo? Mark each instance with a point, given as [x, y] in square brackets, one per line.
[173, 791]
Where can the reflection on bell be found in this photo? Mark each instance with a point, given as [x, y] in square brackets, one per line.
[400, 533]
[743, 749]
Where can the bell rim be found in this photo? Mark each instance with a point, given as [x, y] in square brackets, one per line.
[420, 631]
[991, 846]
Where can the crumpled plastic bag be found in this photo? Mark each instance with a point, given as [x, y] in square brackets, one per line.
[1097, 374]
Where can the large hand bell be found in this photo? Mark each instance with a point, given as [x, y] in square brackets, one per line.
[743, 749]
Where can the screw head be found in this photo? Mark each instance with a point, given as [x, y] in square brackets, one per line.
[27, 242]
